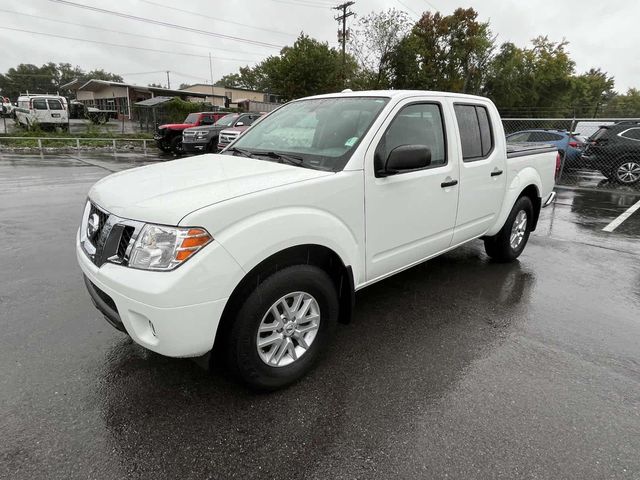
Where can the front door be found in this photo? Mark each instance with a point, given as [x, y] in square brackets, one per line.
[410, 215]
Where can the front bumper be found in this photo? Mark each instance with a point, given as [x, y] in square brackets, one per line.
[192, 147]
[173, 313]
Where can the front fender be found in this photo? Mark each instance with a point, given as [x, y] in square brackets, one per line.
[257, 237]
[521, 180]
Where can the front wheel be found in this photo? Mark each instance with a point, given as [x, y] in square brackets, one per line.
[509, 242]
[176, 145]
[282, 327]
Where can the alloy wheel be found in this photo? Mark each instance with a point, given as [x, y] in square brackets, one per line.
[628, 172]
[288, 329]
[518, 230]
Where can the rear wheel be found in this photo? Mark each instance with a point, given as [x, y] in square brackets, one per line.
[509, 242]
[282, 327]
[627, 172]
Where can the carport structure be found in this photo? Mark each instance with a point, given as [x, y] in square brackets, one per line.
[119, 96]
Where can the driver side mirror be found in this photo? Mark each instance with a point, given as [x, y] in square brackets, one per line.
[405, 158]
[240, 124]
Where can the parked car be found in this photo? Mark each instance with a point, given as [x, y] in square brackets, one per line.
[260, 250]
[571, 143]
[168, 137]
[44, 111]
[205, 138]
[614, 150]
[228, 135]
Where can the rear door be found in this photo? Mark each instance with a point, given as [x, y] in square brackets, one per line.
[410, 216]
[483, 170]
[41, 110]
[56, 111]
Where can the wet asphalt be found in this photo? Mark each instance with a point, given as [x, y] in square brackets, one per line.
[458, 368]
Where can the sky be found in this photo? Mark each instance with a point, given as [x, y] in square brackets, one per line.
[602, 34]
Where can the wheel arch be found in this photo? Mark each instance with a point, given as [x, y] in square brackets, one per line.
[527, 183]
[305, 254]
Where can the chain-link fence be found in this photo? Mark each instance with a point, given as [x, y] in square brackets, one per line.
[596, 153]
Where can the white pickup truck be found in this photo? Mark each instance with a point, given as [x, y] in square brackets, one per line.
[258, 251]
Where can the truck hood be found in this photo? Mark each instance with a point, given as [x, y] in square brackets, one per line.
[175, 126]
[166, 192]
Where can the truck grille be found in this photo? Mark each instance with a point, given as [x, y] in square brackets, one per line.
[228, 137]
[188, 134]
[107, 238]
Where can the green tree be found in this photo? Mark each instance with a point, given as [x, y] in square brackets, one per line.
[444, 53]
[627, 105]
[590, 91]
[373, 43]
[48, 78]
[536, 81]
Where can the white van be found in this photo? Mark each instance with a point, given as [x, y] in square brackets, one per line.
[42, 110]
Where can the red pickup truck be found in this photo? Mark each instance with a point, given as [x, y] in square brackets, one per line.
[168, 137]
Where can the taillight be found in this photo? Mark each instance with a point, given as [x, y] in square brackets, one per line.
[574, 144]
[558, 165]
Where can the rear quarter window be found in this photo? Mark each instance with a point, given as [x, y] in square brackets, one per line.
[631, 134]
[40, 104]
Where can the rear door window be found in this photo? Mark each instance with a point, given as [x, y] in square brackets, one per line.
[55, 104]
[39, 104]
[476, 136]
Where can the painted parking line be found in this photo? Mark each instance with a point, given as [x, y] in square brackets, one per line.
[618, 221]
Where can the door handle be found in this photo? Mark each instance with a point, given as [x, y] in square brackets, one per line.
[495, 173]
[449, 183]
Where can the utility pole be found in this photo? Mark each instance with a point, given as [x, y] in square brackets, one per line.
[342, 34]
[213, 92]
[168, 81]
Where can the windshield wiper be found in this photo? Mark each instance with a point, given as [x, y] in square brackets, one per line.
[241, 151]
[285, 158]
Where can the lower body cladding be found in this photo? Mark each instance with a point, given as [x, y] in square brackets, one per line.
[172, 313]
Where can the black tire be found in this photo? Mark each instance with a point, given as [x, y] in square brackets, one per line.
[176, 145]
[499, 246]
[628, 176]
[212, 146]
[241, 354]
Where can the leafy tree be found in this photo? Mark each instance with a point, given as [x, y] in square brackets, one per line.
[590, 91]
[48, 78]
[373, 43]
[444, 53]
[308, 67]
[532, 81]
[627, 105]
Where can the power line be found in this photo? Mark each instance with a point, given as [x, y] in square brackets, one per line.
[201, 15]
[409, 8]
[302, 4]
[130, 34]
[119, 45]
[166, 24]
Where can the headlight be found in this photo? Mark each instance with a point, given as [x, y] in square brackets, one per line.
[164, 248]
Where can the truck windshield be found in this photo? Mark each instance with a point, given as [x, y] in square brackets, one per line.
[191, 118]
[226, 120]
[322, 132]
